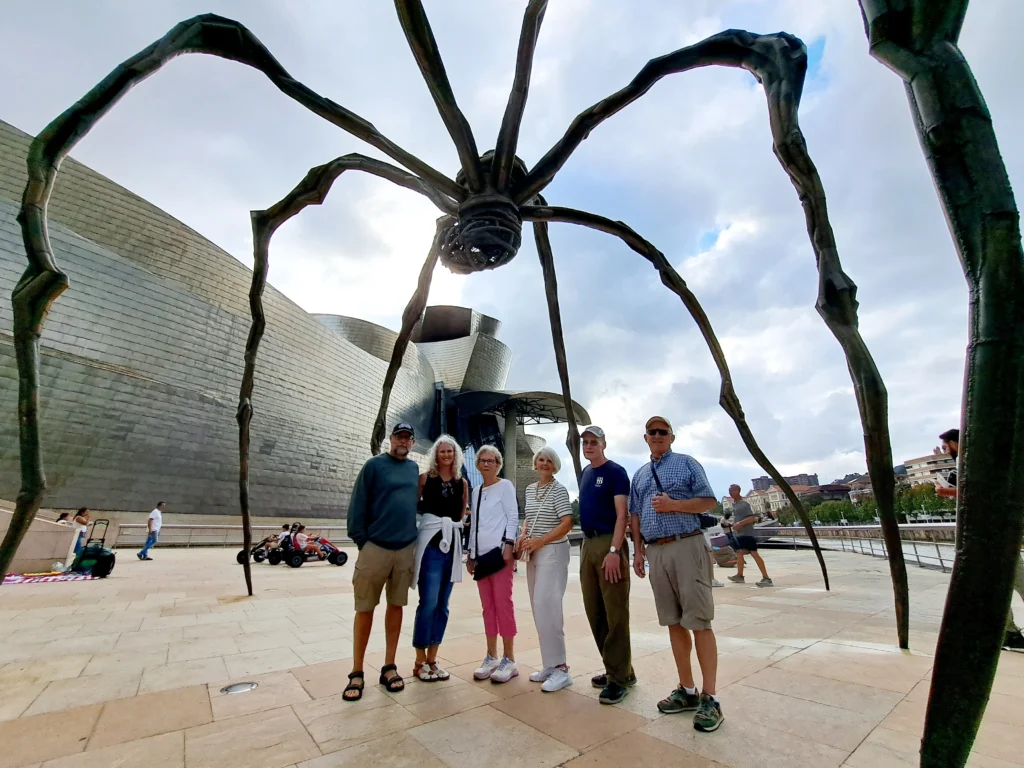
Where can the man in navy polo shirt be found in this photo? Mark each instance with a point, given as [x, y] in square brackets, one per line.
[665, 502]
[604, 570]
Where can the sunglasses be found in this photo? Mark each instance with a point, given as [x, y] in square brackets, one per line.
[658, 432]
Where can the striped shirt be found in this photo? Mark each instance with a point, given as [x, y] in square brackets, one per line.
[682, 477]
[544, 514]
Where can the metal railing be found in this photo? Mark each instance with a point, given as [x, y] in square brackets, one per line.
[929, 545]
[134, 534]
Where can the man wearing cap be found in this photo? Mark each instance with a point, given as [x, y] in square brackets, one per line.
[666, 499]
[604, 570]
[382, 523]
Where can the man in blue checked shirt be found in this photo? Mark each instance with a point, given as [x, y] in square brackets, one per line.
[666, 499]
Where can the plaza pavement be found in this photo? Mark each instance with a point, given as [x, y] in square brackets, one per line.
[127, 671]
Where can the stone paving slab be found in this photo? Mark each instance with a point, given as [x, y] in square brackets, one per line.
[128, 671]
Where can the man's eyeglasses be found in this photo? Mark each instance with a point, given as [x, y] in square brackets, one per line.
[658, 432]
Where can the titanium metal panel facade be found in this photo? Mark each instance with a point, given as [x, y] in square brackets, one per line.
[142, 361]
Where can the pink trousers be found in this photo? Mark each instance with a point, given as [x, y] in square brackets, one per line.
[496, 599]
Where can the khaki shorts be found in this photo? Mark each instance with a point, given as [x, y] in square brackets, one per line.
[681, 575]
[377, 567]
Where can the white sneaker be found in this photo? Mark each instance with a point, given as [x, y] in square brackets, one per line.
[507, 669]
[542, 674]
[716, 583]
[559, 679]
[490, 664]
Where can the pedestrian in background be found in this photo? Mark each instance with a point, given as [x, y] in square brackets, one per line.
[153, 526]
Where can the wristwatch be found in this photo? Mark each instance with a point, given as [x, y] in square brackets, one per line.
[612, 550]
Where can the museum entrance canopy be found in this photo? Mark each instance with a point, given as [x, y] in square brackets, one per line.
[478, 418]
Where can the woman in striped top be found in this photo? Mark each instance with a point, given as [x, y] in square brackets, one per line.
[545, 544]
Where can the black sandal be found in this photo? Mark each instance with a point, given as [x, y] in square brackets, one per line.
[353, 687]
[391, 684]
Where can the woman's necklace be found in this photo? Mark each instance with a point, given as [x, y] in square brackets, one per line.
[547, 489]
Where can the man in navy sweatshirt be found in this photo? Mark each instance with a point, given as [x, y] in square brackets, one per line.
[382, 523]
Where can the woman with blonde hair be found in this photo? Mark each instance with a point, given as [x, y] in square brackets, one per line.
[443, 496]
[544, 544]
[495, 519]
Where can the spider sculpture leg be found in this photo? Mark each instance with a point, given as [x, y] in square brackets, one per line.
[547, 263]
[918, 40]
[312, 190]
[412, 314]
[779, 63]
[672, 280]
[43, 282]
[508, 136]
[424, 49]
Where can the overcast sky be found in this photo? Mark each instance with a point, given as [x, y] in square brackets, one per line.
[689, 166]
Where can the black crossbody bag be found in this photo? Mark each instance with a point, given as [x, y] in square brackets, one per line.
[706, 521]
[492, 561]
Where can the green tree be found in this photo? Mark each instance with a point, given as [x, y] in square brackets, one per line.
[576, 512]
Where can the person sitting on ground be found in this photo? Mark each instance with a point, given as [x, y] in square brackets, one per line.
[81, 525]
[746, 541]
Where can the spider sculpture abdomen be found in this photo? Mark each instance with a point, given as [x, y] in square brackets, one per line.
[488, 230]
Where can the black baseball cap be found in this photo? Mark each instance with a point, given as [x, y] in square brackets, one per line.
[403, 427]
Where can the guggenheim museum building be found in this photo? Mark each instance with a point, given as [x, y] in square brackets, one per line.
[141, 361]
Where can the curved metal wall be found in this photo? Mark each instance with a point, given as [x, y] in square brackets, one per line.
[142, 360]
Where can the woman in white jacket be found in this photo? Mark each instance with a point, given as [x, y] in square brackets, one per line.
[443, 496]
[495, 521]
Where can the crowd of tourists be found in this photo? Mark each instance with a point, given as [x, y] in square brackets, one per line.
[411, 530]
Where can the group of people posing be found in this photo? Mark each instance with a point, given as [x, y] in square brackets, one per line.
[660, 509]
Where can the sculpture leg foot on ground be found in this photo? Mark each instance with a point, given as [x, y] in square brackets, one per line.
[412, 314]
[547, 263]
[917, 39]
[728, 399]
[312, 190]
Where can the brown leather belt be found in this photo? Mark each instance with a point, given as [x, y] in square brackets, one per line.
[670, 539]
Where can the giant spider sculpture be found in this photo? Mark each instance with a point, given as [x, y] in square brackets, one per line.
[494, 193]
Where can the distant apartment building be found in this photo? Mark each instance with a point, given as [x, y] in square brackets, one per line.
[860, 488]
[830, 492]
[929, 469]
[758, 501]
[775, 498]
[764, 483]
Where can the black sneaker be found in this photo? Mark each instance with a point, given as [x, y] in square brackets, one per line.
[601, 681]
[612, 693]
[1013, 640]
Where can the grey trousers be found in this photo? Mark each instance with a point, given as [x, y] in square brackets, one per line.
[547, 574]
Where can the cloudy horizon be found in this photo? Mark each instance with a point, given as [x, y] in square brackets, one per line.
[689, 166]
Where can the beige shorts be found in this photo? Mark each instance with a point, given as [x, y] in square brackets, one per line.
[377, 567]
[681, 574]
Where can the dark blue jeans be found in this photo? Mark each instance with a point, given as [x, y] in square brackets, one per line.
[435, 587]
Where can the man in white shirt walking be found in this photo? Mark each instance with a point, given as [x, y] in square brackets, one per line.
[153, 524]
